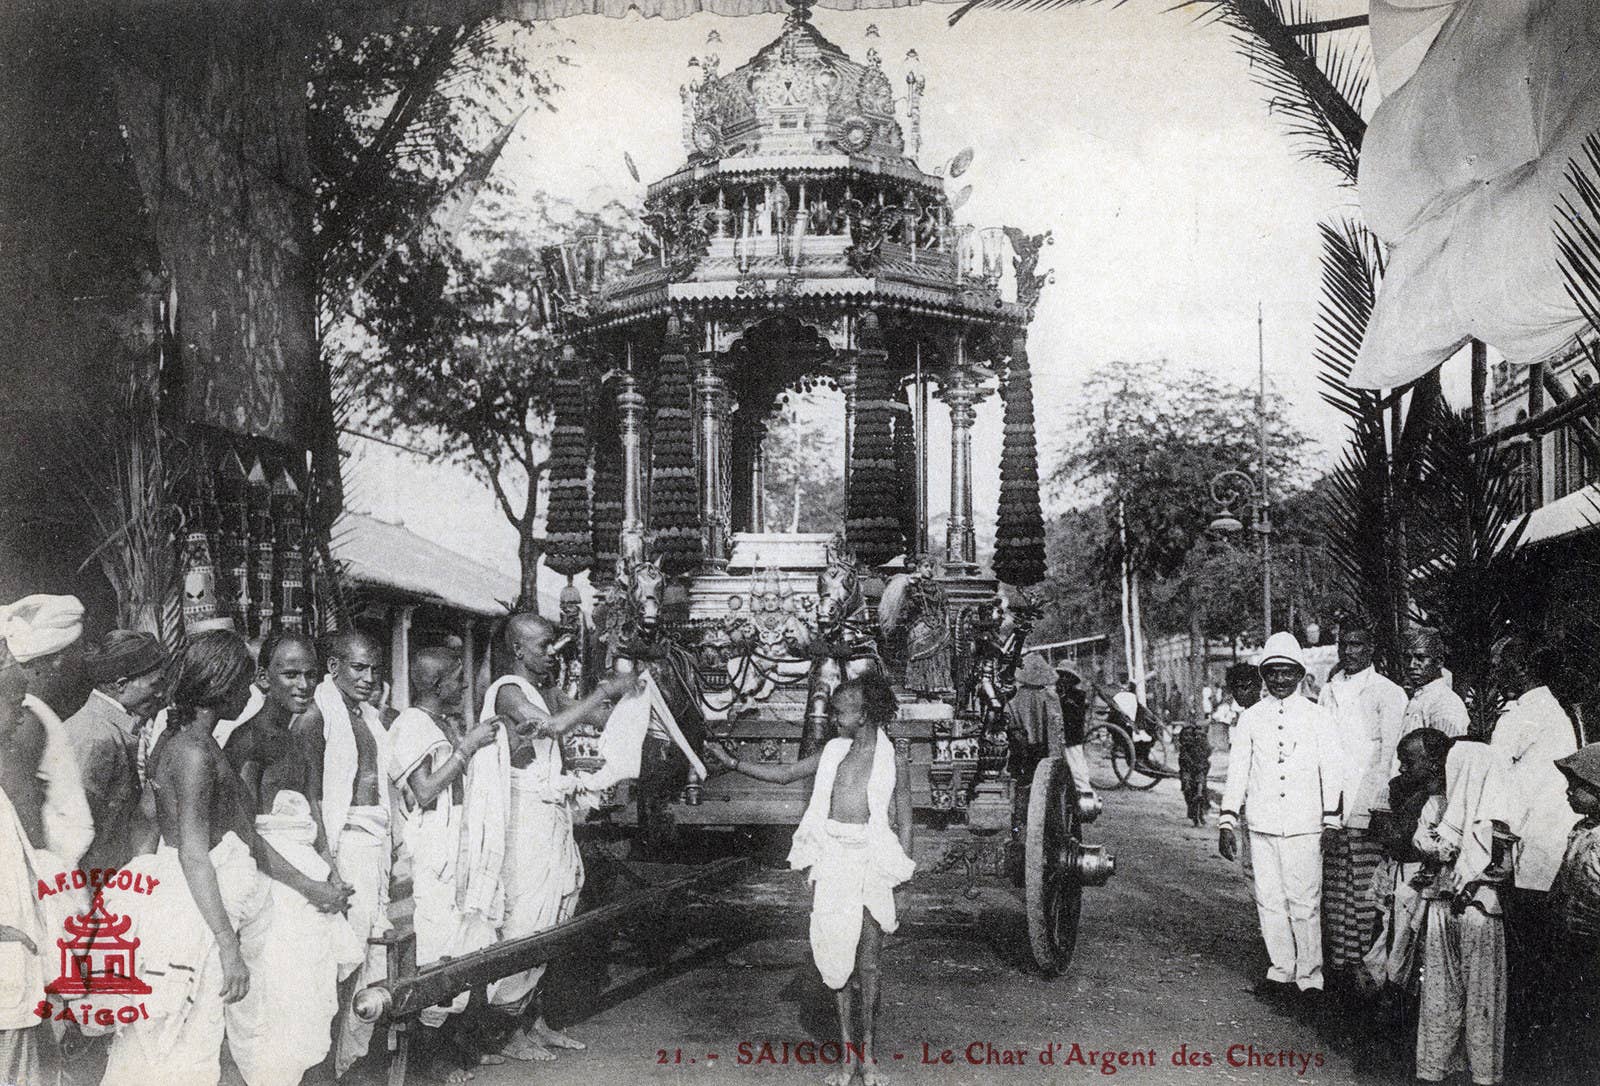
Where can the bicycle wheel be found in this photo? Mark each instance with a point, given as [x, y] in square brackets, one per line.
[1160, 757]
[1110, 754]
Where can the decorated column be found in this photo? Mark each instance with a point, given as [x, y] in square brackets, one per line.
[605, 519]
[758, 476]
[872, 523]
[847, 374]
[568, 549]
[961, 393]
[630, 410]
[710, 400]
[1019, 535]
[674, 504]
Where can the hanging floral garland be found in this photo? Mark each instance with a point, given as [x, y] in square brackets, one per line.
[905, 469]
[569, 549]
[605, 521]
[872, 519]
[1019, 537]
[674, 501]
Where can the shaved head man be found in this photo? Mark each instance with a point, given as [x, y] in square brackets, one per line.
[344, 733]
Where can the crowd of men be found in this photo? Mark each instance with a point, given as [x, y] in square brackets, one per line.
[1397, 854]
[266, 804]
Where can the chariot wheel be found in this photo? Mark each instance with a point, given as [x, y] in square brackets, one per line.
[1051, 886]
[1109, 750]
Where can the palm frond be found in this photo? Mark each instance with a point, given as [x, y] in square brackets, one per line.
[1578, 232]
[1474, 584]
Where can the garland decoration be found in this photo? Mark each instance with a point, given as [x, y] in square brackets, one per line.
[872, 513]
[1019, 557]
[569, 548]
[674, 497]
[605, 519]
[905, 468]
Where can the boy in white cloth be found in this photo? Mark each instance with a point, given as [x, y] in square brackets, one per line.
[855, 837]
[543, 870]
[1286, 765]
[1462, 1016]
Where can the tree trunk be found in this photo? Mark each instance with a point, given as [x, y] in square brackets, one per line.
[1197, 661]
[530, 548]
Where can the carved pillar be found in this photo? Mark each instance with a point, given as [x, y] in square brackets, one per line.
[848, 372]
[631, 407]
[961, 393]
[758, 476]
[710, 393]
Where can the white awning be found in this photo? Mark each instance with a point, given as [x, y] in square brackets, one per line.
[1577, 512]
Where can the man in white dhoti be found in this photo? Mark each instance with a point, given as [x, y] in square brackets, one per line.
[429, 760]
[204, 878]
[543, 868]
[1462, 1016]
[344, 733]
[297, 953]
[855, 838]
[1285, 764]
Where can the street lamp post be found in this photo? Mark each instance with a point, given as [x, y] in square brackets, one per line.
[1227, 487]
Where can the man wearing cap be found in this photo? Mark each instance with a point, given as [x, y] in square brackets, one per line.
[1284, 762]
[1434, 702]
[1368, 711]
[1575, 896]
[128, 670]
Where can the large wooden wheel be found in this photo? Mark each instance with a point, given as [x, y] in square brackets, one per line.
[1053, 892]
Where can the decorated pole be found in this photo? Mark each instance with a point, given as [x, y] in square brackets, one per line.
[961, 393]
[569, 549]
[674, 503]
[872, 523]
[630, 406]
[710, 396]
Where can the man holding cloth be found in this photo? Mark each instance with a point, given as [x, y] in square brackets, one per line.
[343, 732]
[1285, 764]
[128, 670]
[1369, 712]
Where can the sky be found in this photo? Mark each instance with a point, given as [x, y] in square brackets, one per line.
[1178, 205]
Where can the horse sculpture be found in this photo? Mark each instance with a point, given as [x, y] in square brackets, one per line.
[842, 642]
[635, 640]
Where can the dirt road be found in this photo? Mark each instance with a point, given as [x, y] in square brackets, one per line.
[1165, 958]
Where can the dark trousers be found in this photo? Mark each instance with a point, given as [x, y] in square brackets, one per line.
[1534, 959]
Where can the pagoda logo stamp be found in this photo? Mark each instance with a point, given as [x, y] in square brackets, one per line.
[98, 957]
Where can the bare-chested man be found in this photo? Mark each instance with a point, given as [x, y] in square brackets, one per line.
[297, 954]
[856, 839]
[345, 736]
[544, 870]
[207, 865]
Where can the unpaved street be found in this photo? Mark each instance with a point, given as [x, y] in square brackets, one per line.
[1165, 958]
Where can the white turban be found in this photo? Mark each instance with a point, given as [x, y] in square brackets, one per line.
[40, 625]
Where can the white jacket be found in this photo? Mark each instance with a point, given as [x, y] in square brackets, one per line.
[1284, 762]
[1369, 712]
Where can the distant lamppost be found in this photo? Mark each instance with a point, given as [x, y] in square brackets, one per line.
[1239, 485]
[1228, 489]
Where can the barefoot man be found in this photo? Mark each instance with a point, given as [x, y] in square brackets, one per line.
[346, 738]
[856, 838]
[297, 954]
[543, 868]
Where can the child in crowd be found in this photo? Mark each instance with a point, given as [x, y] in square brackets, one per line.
[1575, 895]
[855, 837]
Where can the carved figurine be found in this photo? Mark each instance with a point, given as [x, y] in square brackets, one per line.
[916, 603]
[995, 654]
[842, 642]
[1026, 247]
